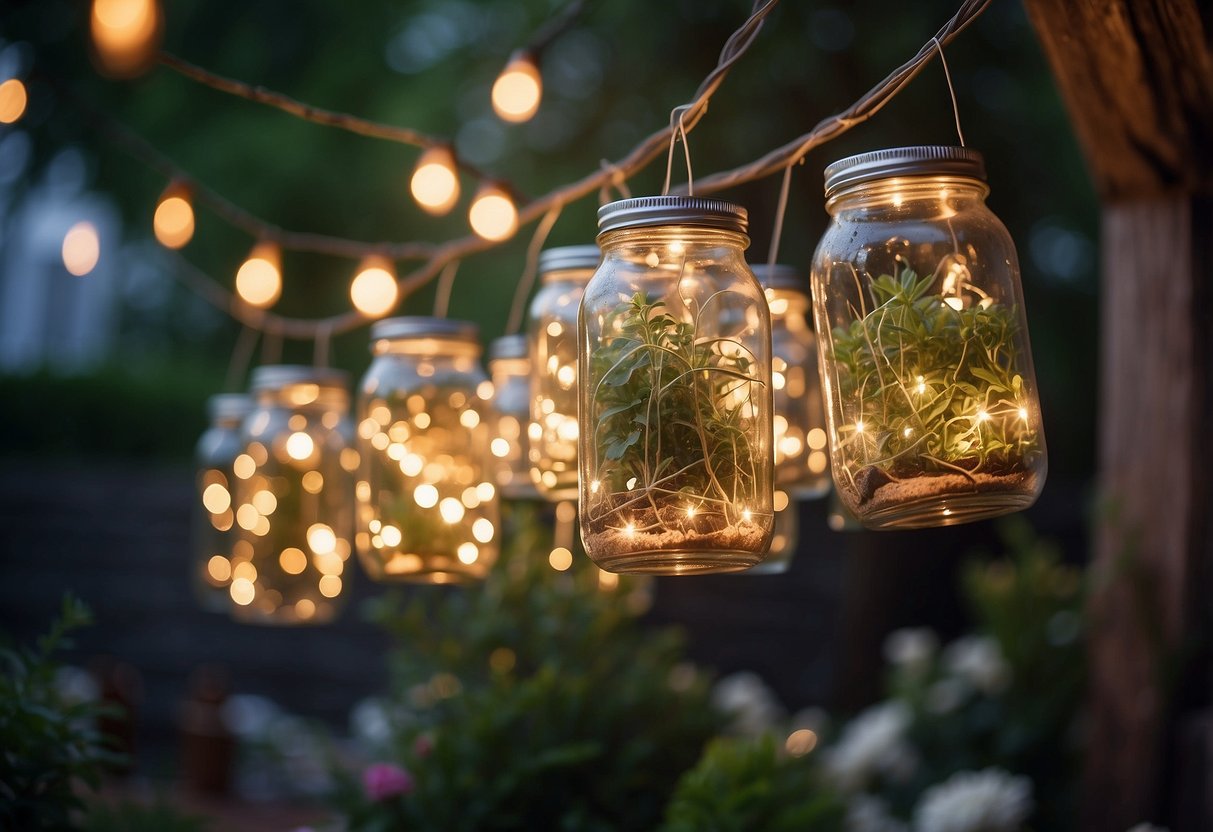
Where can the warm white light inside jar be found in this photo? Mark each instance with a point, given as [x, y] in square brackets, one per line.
[931, 390]
[291, 501]
[427, 503]
[510, 370]
[675, 424]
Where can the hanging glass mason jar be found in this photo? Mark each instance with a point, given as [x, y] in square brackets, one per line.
[510, 371]
[294, 506]
[214, 517]
[552, 335]
[784, 538]
[427, 502]
[675, 384]
[801, 461]
[933, 409]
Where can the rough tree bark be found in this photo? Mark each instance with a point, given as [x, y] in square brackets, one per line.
[1137, 79]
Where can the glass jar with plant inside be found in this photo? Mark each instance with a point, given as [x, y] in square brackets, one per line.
[927, 371]
[674, 362]
[427, 500]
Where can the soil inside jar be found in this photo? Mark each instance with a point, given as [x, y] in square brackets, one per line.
[668, 529]
[877, 491]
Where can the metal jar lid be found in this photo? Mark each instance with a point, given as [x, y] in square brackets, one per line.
[420, 326]
[568, 258]
[508, 346]
[672, 210]
[780, 276]
[228, 406]
[923, 160]
[277, 376]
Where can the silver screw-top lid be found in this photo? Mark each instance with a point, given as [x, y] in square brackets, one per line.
[423, 327]
[780, 276]
[276, 376]
[508, 346]
[227, 407]
[924, 160]
[672, 210]
[568, 258]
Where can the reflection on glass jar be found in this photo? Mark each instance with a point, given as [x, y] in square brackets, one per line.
[293, 506]
[784, 539]
[552, 335]
[933, 409]
[675, 383]
[510, 370]
[801, 461]
[427, 500]
[214, 531]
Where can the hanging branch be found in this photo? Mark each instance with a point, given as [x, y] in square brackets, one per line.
[319, 115]
[862, 110]
[648, 149]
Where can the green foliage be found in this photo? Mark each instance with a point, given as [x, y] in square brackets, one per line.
[937, 388]
[158, 816]
[1009, 696]
[746, 786]
[533, 701]
[666, 415]
[48, 747]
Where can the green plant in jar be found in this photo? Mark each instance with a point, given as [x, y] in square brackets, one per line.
[670, 411]
[937, 387]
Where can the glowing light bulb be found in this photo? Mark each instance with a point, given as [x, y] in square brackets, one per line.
[259, 280]
[493, 215]
[374, 290]
[13, 99]
[81, 249]
[174, 218]
[1023, 413]
[983, 416]
[560, 559]
[518, 89]
[299, 446]
[859, 426]
[125, 35]
[435, 181]
[690, 512]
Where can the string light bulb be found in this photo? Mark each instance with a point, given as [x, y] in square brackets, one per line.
[493, 215]
[174, 218]
[435, 181]
[13, 99]
[518, 89]
[81, 248]
[259, 280]
[126, 35]
[374, 290]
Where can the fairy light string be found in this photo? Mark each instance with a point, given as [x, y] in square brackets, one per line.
[432, 258]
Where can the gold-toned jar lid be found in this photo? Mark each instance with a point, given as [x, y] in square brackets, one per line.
[644, 211]
[419, 326]
[922, 160]
[277, 376]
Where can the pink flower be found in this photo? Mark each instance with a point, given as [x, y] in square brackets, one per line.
[381, 781]
[423, 745]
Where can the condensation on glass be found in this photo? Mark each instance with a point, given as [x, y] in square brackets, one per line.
[675, 384]
[932, 400]
[214, 532]
[294, 511]
[801, 452]
[552, 336]
[426, 492]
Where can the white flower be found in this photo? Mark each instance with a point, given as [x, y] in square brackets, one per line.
[911, 649]
[946, 695]
[978, 660]
[984, 801]
[873, 743]
[752, 704]
[866, 813]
